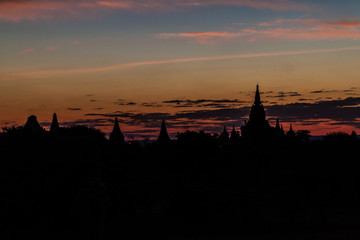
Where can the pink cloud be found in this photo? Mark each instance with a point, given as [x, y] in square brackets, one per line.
[16, 11]
[115, 4]
[30, 10]
[295, 29]
[277, 5]
[296, 21]
[25, 51]
[327, 32]
[50, 48]
[201, 37]
[304, 33]
[343, 23]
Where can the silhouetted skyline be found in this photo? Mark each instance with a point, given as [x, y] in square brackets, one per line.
[72, 182]
[255, 127]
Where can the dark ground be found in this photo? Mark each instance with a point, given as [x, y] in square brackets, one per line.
[78, 185]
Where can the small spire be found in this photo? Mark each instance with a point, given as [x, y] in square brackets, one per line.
[54, 124]
[234, 137]
[278, 128]
[291, 132]
[163, 136]
[224, 136]
[116, 134]
[277, 124]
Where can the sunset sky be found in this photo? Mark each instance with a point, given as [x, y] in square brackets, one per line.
[194, 63]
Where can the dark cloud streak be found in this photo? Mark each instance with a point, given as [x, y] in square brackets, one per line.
[74, 109]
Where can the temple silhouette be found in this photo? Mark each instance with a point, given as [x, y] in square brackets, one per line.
[258, 127]
[255, 128]
[32, 125]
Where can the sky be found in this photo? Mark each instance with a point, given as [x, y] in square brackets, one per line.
[194, 63]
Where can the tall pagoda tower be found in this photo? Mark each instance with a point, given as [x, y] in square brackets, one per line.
[257, 126]
[257, 112]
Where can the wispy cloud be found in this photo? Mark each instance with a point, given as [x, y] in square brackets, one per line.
[75, 42]
[50, 48]
[345, 23]
[204, 103]
[252, 34]
[327, 32]
[31, 10]
[279, 29]
[74, 109]
[116, 4]
[47, 73]
[123, 102]
[25, 51]
[203, 37]
[288, 21]
[20, 10]
[342, 23]
[277, 5]
[282, 94]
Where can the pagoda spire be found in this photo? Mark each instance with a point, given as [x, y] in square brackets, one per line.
[224, 136]
[234, 135]
[54, 124]
[257, 127]
[163, 136]
[277, 124]
[116, 135]
[278, 128]
[291, 132]
[257, 112]
[257, 96]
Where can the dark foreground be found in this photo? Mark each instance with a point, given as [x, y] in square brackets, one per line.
[78, 185]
